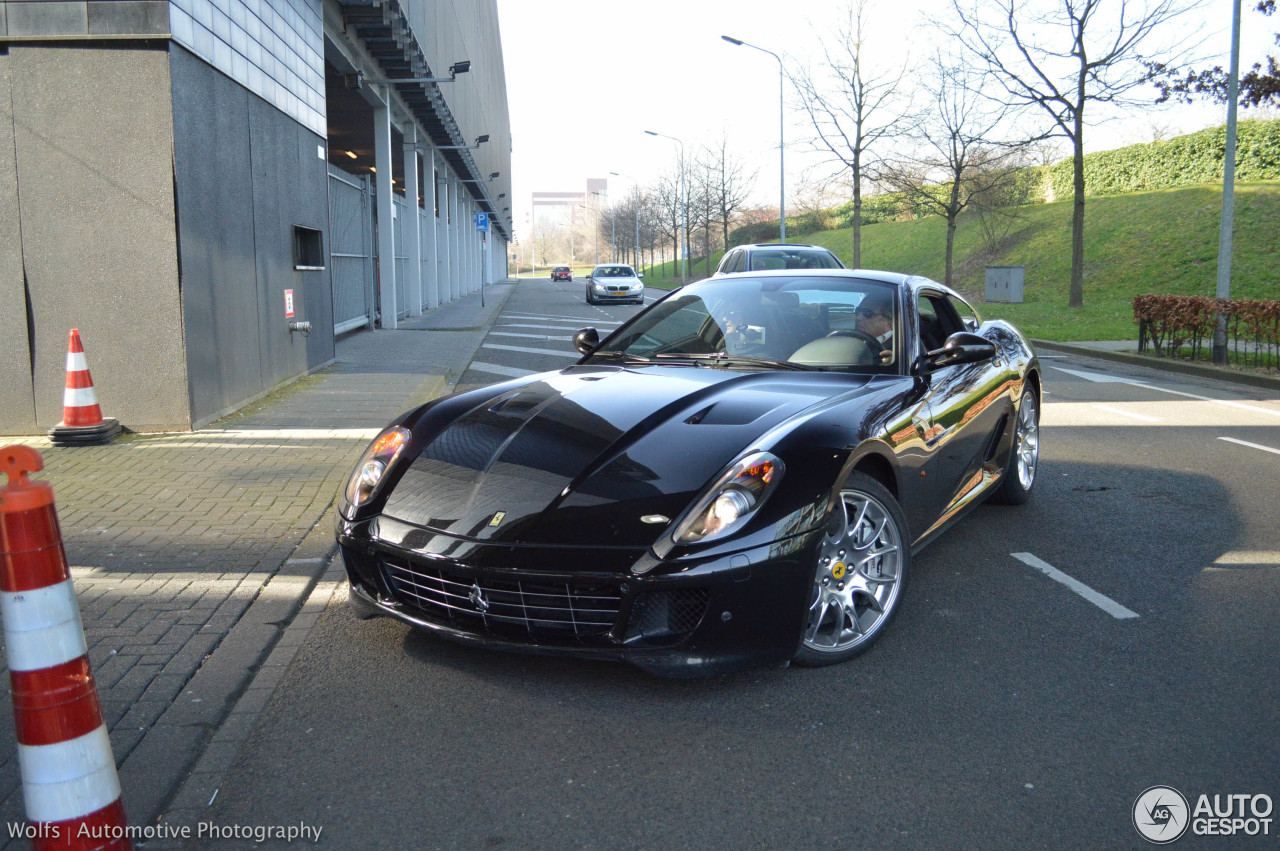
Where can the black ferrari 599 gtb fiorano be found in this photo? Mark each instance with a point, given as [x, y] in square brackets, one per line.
[737, 476]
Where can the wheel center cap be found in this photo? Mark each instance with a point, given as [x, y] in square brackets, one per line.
[838, 570]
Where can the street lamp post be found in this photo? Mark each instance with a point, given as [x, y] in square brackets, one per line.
[598, 225]
[782, 169]
[684, 210]
[637, 185]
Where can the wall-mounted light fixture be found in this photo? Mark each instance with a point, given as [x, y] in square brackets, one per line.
[480, 140]
[454, 70]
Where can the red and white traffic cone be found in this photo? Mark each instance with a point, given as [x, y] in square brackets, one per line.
[82, 421]
[69, 780]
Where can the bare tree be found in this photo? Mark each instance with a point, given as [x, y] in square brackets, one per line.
[1061, 57]
[817, 194]
[957, 157]
[666, 212]
[701, 206]
[853, 104]
[728, 185]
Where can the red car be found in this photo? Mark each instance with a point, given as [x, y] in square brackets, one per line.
[561, 273]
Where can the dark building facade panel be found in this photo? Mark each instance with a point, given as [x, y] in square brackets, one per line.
[17, 397]
[93, 145]
[247, 174]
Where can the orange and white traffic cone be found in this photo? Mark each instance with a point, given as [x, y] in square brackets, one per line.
[69, 780]
[82, 421]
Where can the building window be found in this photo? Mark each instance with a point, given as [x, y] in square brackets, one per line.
[308, 248]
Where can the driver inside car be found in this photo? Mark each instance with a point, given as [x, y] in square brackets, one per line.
[875, 318]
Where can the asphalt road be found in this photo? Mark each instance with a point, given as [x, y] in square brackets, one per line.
[1002, 709]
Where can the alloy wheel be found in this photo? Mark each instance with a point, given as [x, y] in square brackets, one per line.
[859, 575]
[1026, 441]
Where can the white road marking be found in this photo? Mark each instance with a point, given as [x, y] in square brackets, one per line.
[550, 317]
[527, 336]
[573, 355]
[548, 327]
[1111, 379]
[1102, 601]
[1269, 557]
[1250, 445]
[499, 369]
[1127, 413]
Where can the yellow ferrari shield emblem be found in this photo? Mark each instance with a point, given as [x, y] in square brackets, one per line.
[497, 518]
[838, 570]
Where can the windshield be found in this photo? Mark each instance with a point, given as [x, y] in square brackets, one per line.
[782, 258]
[822, 323]
[614, 272]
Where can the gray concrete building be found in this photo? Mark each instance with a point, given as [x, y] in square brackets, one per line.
[190, 182]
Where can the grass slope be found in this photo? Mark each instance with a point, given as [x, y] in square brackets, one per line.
[1146, 242]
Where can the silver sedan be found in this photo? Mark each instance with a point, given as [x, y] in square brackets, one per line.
[614, 282]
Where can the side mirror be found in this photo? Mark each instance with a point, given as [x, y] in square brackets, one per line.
[586, 340]
[961, 347]
[640, 275]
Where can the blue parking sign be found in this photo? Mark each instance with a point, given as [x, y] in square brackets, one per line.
[482, 221]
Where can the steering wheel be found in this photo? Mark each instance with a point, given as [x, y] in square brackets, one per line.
[874, 344]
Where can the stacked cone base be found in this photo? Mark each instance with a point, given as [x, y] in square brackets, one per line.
[94, 435]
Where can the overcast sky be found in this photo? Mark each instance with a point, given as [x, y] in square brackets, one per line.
[586, 78]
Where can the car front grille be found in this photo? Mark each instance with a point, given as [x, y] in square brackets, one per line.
[658, 615]
[524, 608]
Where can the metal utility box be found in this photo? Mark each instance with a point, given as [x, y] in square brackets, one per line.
[1004, 283]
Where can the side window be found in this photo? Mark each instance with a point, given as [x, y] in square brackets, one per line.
[968, 316]
[737, 263]
[938, 320]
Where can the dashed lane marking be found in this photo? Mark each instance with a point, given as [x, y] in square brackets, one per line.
[499, 369]
[531, 351]
[527, 336]
[1251, 445]
[1102, 601]
[1112, 379]
[1142, 417]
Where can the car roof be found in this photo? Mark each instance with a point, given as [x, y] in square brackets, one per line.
[897, 279]
[782, 245]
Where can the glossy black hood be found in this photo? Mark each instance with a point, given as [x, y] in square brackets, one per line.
[580, 456]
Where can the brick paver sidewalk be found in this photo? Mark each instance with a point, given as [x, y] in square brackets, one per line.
[174, 538]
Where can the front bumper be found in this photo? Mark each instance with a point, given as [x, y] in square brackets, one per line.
[628, 295]
[690, 618]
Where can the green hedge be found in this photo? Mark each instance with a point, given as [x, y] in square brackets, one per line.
[1182, 161]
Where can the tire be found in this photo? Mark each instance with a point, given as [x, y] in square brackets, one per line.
[1024, 455]
[859, 576]
[590, 300]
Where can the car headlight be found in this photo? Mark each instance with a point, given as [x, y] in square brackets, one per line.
[637, 286]
[725, 506]
[373, 465]
[600, 287]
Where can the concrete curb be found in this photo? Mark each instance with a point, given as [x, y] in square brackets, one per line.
[200, 787]
[173, 775]
[1165, 364]
[182, 736]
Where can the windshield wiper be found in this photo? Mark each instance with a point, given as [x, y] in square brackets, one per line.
[620, 356]
[722, 359]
